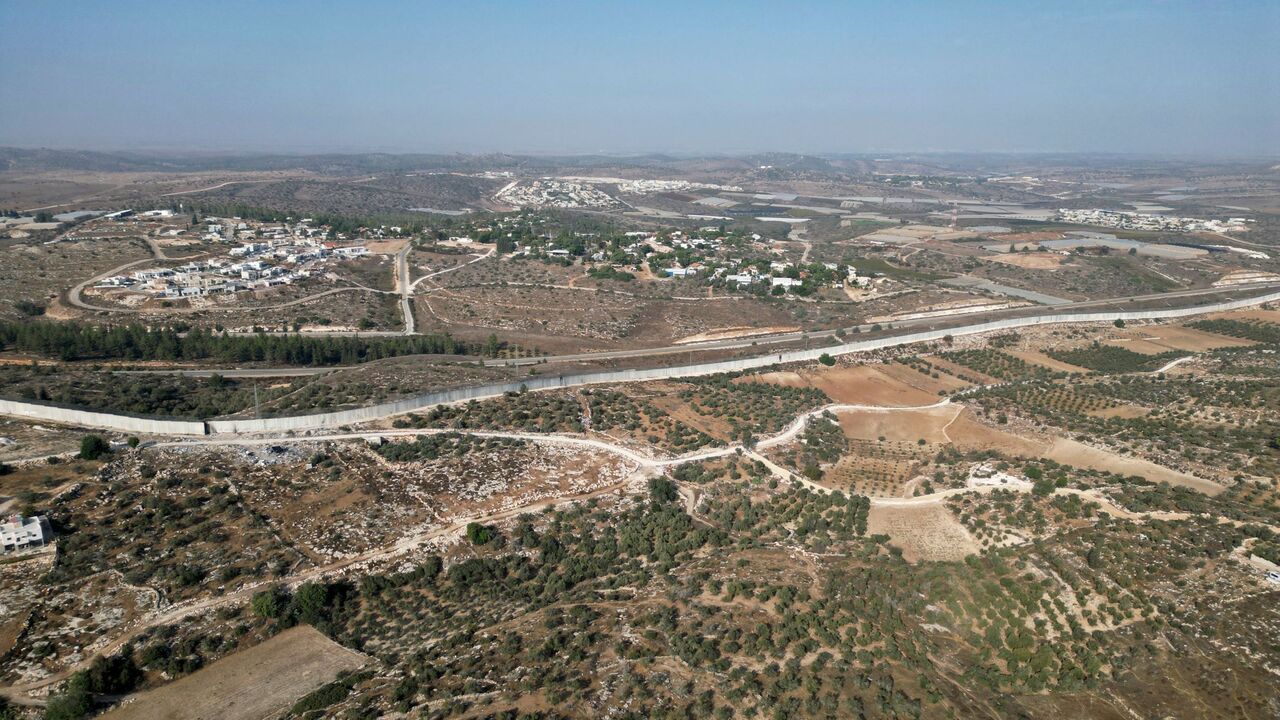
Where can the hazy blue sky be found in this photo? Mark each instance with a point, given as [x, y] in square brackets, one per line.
[1154, 77]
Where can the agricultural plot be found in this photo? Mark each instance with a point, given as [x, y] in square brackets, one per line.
[250, 684]
[1050, 399]
[1259, 331]
[922, 532]
[877, 469]
[1108, 359]
[892, 385]
[997, 364]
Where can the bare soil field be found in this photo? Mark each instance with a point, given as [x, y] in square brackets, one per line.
[1156, 339]
[1070, 452]
[926, 532]
[250, 684]
[1038, 358]
[25, 440]
[967, 433]
[1254, 314]
[863, 384]
[904, 426]
[1121, 411]
[734, 332]
[1030, 261]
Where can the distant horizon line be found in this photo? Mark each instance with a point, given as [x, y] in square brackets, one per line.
[353, 152]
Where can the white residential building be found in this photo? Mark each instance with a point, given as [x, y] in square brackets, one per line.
[17, 532]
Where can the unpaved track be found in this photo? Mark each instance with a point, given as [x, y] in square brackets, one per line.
[405, 289]
[646, 466]
[437, 273]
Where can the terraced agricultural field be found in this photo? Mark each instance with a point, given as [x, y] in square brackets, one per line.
[877, 468]
[997, 364]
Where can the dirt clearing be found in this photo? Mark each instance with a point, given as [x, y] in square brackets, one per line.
[734, 332]
[248, 685]
[1031, 261]
[1039, 358]
[1155, 339]
[906, 426]
[1070, 452]
[864, 384]
[926, 531]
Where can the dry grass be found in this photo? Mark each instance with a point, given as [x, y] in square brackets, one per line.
[252, 684]
[865, 384]
[926, 531]
[1031, 261]
[1070, 452]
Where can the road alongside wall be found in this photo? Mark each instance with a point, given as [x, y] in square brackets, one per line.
[330, 420]
[88, 418]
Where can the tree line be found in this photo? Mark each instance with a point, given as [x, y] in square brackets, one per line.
[74, 341]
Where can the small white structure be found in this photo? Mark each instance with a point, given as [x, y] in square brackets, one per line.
[18, 533]
[681, 272]
[785, 282]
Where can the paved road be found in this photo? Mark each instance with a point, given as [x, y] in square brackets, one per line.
[689, 348]
[405, 289]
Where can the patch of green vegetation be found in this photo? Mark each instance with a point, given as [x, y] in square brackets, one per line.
[433, 447]
[1256, 330]
[1113, 360]
[998, 365]
[868, 266]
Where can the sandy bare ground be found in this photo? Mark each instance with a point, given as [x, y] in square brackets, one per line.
[1252, 314]
[1038, 358]
[1031, 261]
[922, 532]
[1156, 339]
[866, 384]
[386, 247]
[1122, 411]
[929, 425]
[957, 425]
[967, 433]
[1070, 452]
[249, 685]
[735, 332]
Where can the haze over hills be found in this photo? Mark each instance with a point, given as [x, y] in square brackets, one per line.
[560, 360]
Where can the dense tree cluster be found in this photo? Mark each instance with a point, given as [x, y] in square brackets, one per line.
[1110, 359]
[75, 341]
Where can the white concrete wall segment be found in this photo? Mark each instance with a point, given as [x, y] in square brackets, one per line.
[329, 420]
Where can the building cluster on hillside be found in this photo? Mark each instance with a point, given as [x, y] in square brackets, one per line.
[739, 272]
[551, 193]
[645, 187]
[19, 533]
[269, 255]
[1146, 221]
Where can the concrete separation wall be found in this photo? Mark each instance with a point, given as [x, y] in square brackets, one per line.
[88, 418]
[545, 382]
[354, 416]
